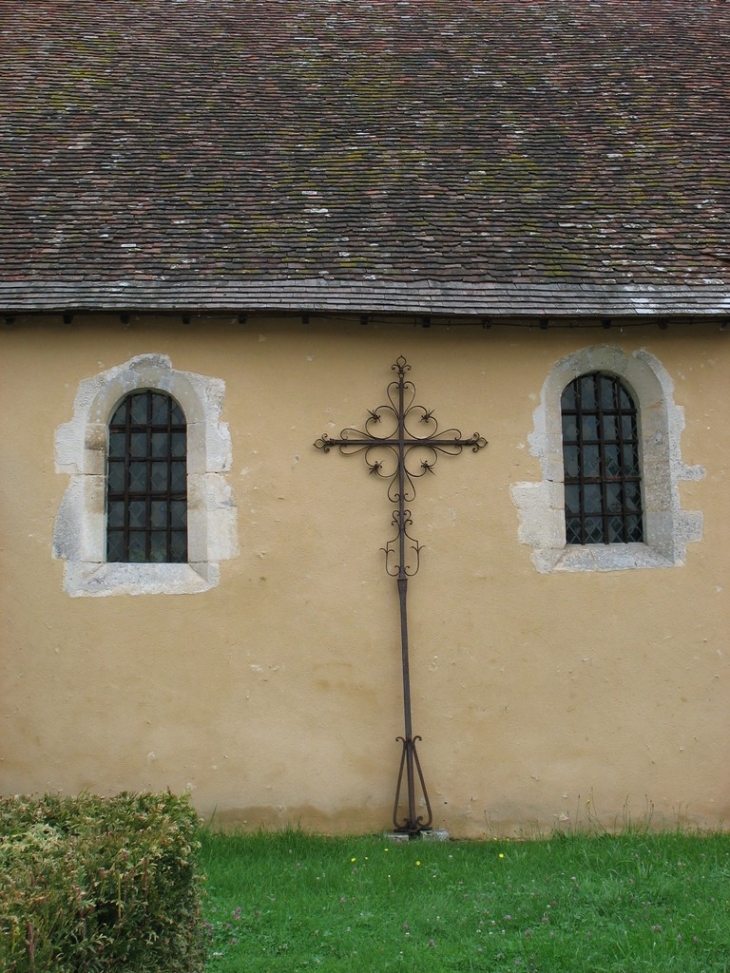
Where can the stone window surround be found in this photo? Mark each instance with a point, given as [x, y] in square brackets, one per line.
[541, 506]
[81, 451]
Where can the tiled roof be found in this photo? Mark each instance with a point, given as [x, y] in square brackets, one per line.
[465, 156]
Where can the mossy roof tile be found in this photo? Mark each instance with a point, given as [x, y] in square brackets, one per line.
[207, 146]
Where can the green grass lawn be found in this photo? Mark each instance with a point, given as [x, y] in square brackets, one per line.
[580, 904]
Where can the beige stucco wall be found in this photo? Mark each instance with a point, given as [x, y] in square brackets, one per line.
[275, 697]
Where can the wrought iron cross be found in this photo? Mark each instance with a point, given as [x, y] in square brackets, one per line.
[401, 455]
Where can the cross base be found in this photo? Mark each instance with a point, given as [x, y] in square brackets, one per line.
[414, 824]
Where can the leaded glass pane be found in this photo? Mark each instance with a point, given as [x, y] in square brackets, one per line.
[178, 444]
[612, 460]
[158, 513]
[625, 399]
[592, 499]
[608, 397]
[589, 427]
[138, 444]
[572, 499]
[178, 477]
[178, 546]
[158, 547]
[139, 409]
[610, 428]
[158, 479]
[567, 401]
[572, 530]
[137, 514]
[116, 513]
[615, 530]
[570, 428]
[628, 427]
[160, 409]
[177, 418]
[120, 416]
[179, 513]
[613, 497]
[570, 457]
[634, 530]
[160, 443]
[116, 476]
[115, 546]
[632, 497]
[137, 477]
[591, 461]
[594, 530]
[117, 443]
[631, 460]
[137, 550]
[587, 392]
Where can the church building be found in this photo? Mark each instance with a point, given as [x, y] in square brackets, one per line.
[364, 440]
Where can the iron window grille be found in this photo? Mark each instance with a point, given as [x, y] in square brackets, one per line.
[601, 462]
[147, 480]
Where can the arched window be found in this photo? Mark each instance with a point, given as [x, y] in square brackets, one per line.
[601, 461]
[147, 480]
[147, 485]
[607, 435]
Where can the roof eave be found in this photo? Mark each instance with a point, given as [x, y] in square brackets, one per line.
[427, 297]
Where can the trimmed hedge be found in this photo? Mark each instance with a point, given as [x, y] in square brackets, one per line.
[98, 884]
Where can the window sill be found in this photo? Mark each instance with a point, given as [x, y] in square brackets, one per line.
[94, 579]
[607, 557]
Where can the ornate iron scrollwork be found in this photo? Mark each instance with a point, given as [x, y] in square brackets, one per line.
[401, 442]
[401, 454]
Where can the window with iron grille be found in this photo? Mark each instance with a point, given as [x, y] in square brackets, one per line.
[147, 480]
[601, 462]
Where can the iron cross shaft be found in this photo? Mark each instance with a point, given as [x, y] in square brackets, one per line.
[401, 442]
